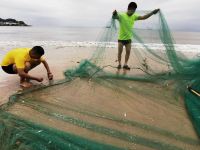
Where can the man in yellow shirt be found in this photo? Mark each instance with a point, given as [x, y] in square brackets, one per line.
[126, 21]
[21, 60]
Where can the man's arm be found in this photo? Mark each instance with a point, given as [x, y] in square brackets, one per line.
[148, 15]
[115, 15]
[50, 75]
[23, 74]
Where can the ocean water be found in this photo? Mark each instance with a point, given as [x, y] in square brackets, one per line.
[87, 37]
[48, 34]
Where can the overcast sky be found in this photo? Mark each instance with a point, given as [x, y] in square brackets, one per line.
[180, 14]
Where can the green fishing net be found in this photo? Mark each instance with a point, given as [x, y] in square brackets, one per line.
[99, 107]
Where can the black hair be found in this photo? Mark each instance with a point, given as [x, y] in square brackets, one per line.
[38, 50]
[132, 5]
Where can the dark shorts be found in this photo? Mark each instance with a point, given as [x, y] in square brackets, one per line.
[124, 42]
[8, 69]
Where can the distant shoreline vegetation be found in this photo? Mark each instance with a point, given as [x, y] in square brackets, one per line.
[12, 22]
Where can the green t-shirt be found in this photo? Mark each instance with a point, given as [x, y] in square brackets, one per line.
[126, 25]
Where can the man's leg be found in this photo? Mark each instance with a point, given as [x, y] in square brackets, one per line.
[22, 79]
[120, 49]
[28, 67]
[128, 51]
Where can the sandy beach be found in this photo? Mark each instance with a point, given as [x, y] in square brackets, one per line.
[158, 112]
[59, 59]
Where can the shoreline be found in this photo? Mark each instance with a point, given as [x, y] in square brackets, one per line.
[94, 44]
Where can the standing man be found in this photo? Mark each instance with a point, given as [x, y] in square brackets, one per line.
[126, 21]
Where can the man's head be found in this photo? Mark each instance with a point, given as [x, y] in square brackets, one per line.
[36, 52]
[132, 6]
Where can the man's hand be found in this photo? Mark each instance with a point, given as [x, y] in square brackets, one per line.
[39, 79]
[114, 13]
[156, 11]
[148, 15]
[50, 76]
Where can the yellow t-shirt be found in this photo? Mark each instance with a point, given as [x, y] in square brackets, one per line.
[18, 56]
[126, 25]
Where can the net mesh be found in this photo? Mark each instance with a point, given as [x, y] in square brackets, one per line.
[99, 107]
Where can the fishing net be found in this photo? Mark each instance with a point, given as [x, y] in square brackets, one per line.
[98, 106]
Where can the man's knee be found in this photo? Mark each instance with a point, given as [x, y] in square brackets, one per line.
[128, 49]
[27, 66]
[31, 65]
[128, 52]
[15, 68]
[120, 49]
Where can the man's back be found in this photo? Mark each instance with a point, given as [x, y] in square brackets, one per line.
[14, 55]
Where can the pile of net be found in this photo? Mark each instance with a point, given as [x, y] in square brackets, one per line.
[99, 107]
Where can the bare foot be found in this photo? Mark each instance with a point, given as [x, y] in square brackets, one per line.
[22, 79]
[26, 84]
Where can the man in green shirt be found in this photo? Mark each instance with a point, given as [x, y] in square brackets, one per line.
[126, 21]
